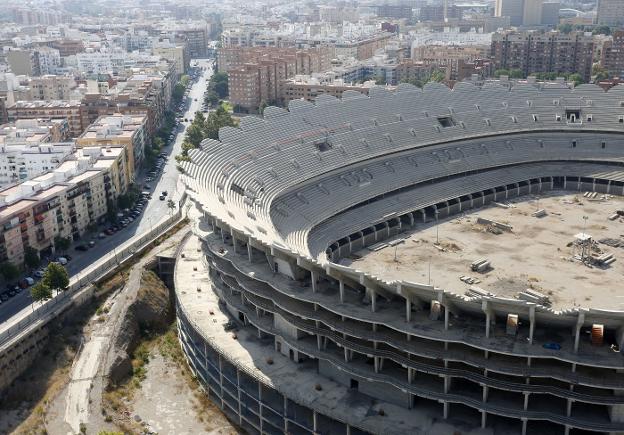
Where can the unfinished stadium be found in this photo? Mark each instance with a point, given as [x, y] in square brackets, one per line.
[426, 261]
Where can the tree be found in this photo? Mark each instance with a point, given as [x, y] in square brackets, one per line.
[31, 257]
[602, 30]
[379, 80]
[9, 271]
[576, 78]
[217, 119]
[599, 73]
[171, 205]
[565, 28]
[178, 92]
[40, 292]
[55, 277]
[62, 243]
[219, 84]
[185, 80]
[516, 74]
[194, 135]
[501, 72]
[436, 76]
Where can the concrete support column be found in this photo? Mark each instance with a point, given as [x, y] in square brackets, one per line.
[341, 290]
[565, 183]
[566, 430]
[524, 426]
[569, 407]
[608, 187]
[346, 354]
[531, 323]
[483, 419]
[408, 309]
[410, 375]
[526, 401]
[373, 298]
[488, 317]
[319, 341]
[577, 333]
[285, 414]
[446, 320]
[238, 392]
[234, 244]
[376, 361]
[315, 422]
[249, 252]
[445, 410]
[486, 391]
[447, 384]
[314, 278]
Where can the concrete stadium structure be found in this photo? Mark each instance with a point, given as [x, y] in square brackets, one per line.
[321, 347]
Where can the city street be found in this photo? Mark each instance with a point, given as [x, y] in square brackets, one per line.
[154, 211]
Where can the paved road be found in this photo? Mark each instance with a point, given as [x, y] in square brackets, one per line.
[152, 214]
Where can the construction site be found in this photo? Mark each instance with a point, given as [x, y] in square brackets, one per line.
[558, 249]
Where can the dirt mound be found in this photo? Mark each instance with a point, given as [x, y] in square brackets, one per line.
[150, 311]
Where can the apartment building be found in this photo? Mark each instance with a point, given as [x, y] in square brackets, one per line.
[142, 94]
[612, 54]
[535, 52]
[362, 48]
[448, 57]
[176, 52]
[309, 88]
[23, 62]
[51, 87]
[30, 148]
[256, 74]
[308, 60]
[71, 110]
[119, 131]
[63, 203]
[610, 13]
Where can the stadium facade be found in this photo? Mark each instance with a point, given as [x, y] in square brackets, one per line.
[324, 348]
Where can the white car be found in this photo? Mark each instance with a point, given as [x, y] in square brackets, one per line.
[62, 261]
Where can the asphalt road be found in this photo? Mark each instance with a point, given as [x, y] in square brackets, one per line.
[155, 210]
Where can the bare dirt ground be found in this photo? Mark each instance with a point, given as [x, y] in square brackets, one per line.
[169, 405]
[65, 390]
[537, 253]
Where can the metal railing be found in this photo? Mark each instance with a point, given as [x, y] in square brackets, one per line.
[43, 312]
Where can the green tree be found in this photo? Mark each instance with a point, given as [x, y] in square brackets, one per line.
[219, 84]
[31, 257]
[9, 271]
[217, 119]
[379, 80]
[171, 205]
[61, 243]
[194, 135]
[600, 73]
[178, 92]
[437, 76]
[40, 292]
[576, 78]
[565, 28]
[516, 74]
[212, 98]
[602, 30]
[501, 72]
[55, 277]
[185, 80]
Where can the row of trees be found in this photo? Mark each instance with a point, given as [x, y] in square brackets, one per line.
[202, 128]
[179, 88]
[518, 74]
[217, 89]
[598, 30]
[55, 278]
[435, 76]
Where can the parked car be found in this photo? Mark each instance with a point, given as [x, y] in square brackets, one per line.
[91, 243]
[82, 248]
[164, 193]
[5, 296]
[62, 260]
[101, 236]
[30, 281]
[161, 197]
[39, 273]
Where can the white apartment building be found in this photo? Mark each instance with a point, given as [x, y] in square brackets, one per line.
[27, 150]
